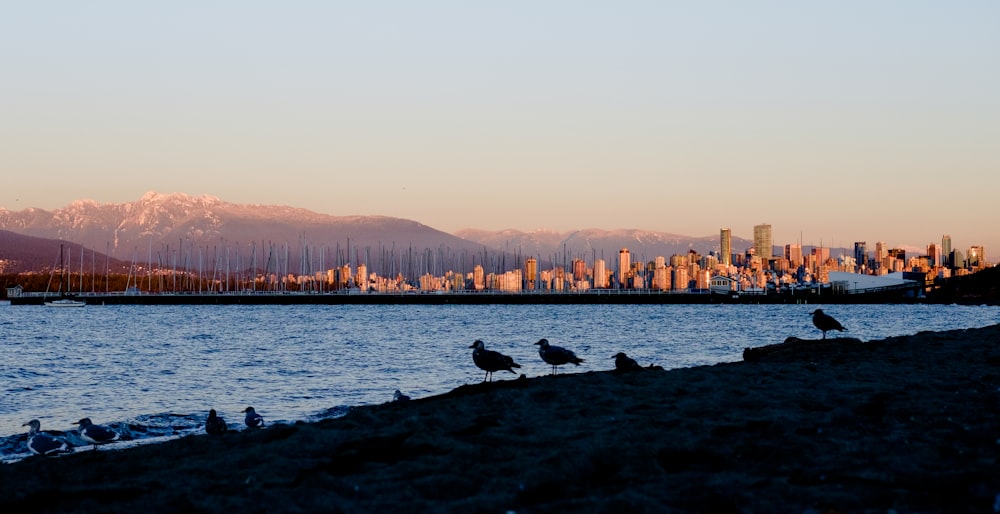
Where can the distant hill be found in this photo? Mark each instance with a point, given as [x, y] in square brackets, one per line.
[20, 254]
[188, 231]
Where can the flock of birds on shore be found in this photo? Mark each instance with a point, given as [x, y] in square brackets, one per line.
[490, 361]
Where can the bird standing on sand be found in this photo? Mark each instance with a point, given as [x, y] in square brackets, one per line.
[556, 355]
[253, 420]
[825, 322]
[95, 434]
[625, 363]
[41, 443]
[215, 424]
[491, 361]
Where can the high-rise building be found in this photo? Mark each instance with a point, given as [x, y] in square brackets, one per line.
[531, 272]
[579, 270]
[976, 258]
[478, 277]
[763, 244]
[946, 251]
[659, 273]
[726, 246]
[793, 252]
[679, 279]
[934, 254]
[861, 256]
[882, 256]
[600, 274]
[624, 267]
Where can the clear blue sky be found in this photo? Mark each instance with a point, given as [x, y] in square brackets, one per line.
[842, 121]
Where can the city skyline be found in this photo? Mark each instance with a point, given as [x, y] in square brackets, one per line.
[760, 235]
[833, 123]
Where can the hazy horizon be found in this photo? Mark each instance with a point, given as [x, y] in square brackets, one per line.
[842, 122]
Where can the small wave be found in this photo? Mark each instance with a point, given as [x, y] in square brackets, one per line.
[331, 413]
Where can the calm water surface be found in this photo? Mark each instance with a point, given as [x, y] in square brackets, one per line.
[142, 366]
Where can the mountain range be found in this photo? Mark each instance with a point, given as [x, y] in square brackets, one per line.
[173, 229]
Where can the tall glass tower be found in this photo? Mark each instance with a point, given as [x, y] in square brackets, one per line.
[861, 256]
[946, 251]
[726, 246]
[763, 244]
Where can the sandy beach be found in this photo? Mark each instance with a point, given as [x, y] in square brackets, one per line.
[907, 424]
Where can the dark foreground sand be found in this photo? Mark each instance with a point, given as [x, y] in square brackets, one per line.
[908, 424]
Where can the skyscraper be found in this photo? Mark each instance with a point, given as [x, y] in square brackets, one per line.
[793, 252]
[861, 256]
[600, 274]
[624, 267]
[882, 257]
[976, 258]
[946, 251]
[726, 246]
[763, 245]
[934, 253]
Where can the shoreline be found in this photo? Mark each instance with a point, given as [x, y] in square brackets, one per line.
[907, 423]
[484, 298]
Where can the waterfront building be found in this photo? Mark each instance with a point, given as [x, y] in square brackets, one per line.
[579, 270]
[457, 282]
[531, 272]
[703, 279]
[478, 277]
[361, 279]
[679, 279]
[722, 284]
[726, 246]
[601, 278]
[661, 278]
[763, 244]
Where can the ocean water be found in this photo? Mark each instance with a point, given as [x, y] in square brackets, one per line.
[153, 372]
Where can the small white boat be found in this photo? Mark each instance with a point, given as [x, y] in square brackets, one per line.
[65, 302]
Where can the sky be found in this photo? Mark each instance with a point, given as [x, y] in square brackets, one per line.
[833, 122]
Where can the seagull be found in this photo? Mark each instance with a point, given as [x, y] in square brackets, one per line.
[95, 434]
[624, 362]
[491, 361]
[41, 443]
[556, 355]
[398, 396]
[253, 420]
[214, 424]
[825, 322]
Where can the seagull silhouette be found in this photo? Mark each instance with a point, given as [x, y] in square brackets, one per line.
[556, 355]
[95, 434]
[490, 361]
[825, 322]
[624, 362]
[252, 419]
[214, 424]
[41, 443]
